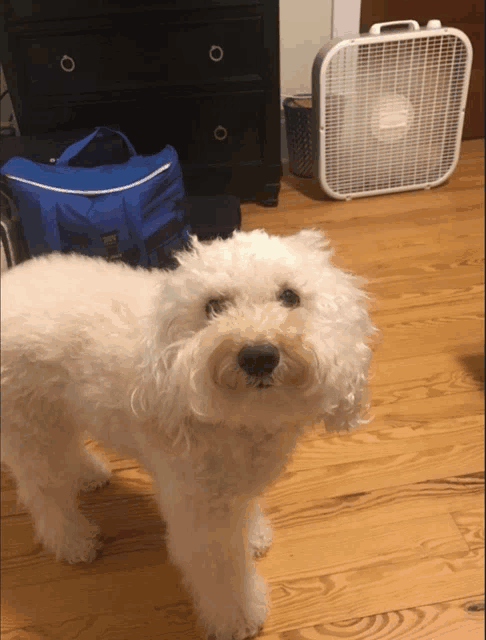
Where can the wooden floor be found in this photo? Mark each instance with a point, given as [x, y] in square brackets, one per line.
[378, 534]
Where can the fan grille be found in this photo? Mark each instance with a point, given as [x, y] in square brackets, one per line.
[393, 113]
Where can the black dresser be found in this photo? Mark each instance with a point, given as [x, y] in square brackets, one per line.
[201, 75]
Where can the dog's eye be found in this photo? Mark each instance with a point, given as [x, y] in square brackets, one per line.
[215, 306]
[289, 298]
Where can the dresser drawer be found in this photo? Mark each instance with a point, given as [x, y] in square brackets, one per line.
[205, 130]
[25, 10]
[220, 129]
[146, 55]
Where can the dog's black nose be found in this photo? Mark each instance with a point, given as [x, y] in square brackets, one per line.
[259, 360]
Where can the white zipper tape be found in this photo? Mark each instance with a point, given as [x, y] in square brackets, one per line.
[93, 193]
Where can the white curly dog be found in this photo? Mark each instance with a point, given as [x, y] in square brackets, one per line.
[207, 374]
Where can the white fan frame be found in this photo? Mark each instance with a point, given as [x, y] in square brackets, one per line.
[407, 30]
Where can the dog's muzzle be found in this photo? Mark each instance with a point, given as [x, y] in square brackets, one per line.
[259, 361]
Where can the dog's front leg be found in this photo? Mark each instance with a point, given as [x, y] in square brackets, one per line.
[209, 542]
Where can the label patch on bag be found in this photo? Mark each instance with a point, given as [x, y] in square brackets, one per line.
[110, 240]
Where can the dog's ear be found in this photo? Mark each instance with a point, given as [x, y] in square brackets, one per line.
[352, 402]
[346, 366]
[312, 239]
[155, 396]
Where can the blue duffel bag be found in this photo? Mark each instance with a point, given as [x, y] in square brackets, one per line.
[133, 211]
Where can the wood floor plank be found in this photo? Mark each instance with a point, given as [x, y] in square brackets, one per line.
[470, 523]
[360, 511]
[316, 549]
[427, 290]
[442, 621]
[343, 478]
[373, 442]
[425, 369]
[456, 406]
[372, 590]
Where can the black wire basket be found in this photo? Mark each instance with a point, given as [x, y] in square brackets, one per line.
[298, 125]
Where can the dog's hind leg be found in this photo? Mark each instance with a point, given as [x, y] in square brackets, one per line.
[41, 445]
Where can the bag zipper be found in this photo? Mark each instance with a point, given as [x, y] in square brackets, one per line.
[93, 193]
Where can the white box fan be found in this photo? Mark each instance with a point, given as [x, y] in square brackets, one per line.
[389, 108]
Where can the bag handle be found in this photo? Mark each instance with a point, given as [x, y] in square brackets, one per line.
[412, 25]
[73, 150]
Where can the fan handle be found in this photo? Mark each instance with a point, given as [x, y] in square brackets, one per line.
[413, 25]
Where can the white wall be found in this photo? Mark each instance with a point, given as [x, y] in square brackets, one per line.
[305, 26]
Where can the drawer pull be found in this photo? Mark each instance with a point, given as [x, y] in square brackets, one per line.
[220, 133]
[216, 53]
[67, 64]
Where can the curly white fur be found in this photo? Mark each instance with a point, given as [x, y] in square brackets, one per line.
[132, 357]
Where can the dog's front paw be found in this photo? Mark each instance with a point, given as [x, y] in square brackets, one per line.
[245, 630]
[82, 550]
[258, 603]
[260, 537]
[73, 541]
[96, 481]
[81, 546]
[236, 624]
